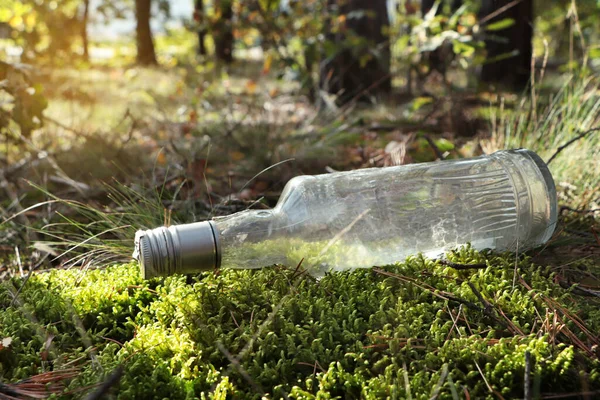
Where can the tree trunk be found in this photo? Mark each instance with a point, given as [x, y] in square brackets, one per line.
[145, 44]
[359, 71]
[84, 32]
[509, 50]
[223, 31]
[200, 20]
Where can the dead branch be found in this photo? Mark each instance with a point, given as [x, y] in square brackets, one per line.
[67, 128]
[462, 266]
[570, 142]
[436, 150]
[112, 380]
[580, 211]
[527, 388]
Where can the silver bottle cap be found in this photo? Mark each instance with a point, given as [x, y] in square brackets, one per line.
[178, 249]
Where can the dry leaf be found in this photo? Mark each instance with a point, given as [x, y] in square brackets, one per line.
[267, 64]
[161, 158]
[5, 343]
[251, 86]
[237, 155]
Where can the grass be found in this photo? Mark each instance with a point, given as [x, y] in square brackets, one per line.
[550, 122]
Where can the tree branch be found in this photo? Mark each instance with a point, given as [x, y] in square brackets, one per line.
[570, 142]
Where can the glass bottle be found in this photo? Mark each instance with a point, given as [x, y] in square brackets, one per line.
[367, 217]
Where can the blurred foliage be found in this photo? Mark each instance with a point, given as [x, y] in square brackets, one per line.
[43, 27]
[292, 33]
[52, 29]
[450, 34]
[558, 21]
[21, 101]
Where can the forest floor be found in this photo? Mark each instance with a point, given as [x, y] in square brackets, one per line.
[128, 148]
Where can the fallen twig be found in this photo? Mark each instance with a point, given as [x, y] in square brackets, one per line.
[570, 142]
[498, 12]
[450, 297]
[580, 211]
[595, 235]
[436, 150]
[67, 128]
[462, 266]
[111, 381]
[436, 391]
[572, 395]
[553, 304]
[26, 277]
[578, 290]
[527, 388]
[39, 386]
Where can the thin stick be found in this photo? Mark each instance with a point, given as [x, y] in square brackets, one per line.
[498, 12]
[463, 266]
[436, 391]
[483, 376]
[582, 211]
[111, 381]
[545, 62]
[575, 18]
[19, 263]
[454, 321]
[596, 235]
[67, 128]
[436, 150]
[265, 170]
[570, 142]
[341, 233]
[571, 395]
[533, 97]
[527, 388]
[236, 363]
[406, 381]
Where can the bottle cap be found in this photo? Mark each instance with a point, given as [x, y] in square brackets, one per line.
[178, 249]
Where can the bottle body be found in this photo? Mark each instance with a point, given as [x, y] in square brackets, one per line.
[377, 216]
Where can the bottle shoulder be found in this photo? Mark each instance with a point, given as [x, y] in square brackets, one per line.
[294, 192]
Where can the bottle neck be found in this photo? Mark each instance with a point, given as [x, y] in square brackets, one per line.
[254, 239]
[247, 226]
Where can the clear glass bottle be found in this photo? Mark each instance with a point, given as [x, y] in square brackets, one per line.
[375, 216]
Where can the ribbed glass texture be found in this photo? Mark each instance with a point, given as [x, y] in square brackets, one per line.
[377, 216]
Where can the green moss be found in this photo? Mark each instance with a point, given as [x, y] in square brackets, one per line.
[415, 328]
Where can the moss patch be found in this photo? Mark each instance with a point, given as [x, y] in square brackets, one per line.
[410, 330]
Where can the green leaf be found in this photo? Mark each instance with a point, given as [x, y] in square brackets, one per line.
[500, 25]
[432, 12]
[463, 49]
[595, 52]
[444, 144]
[420, 102]
[453, 21]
